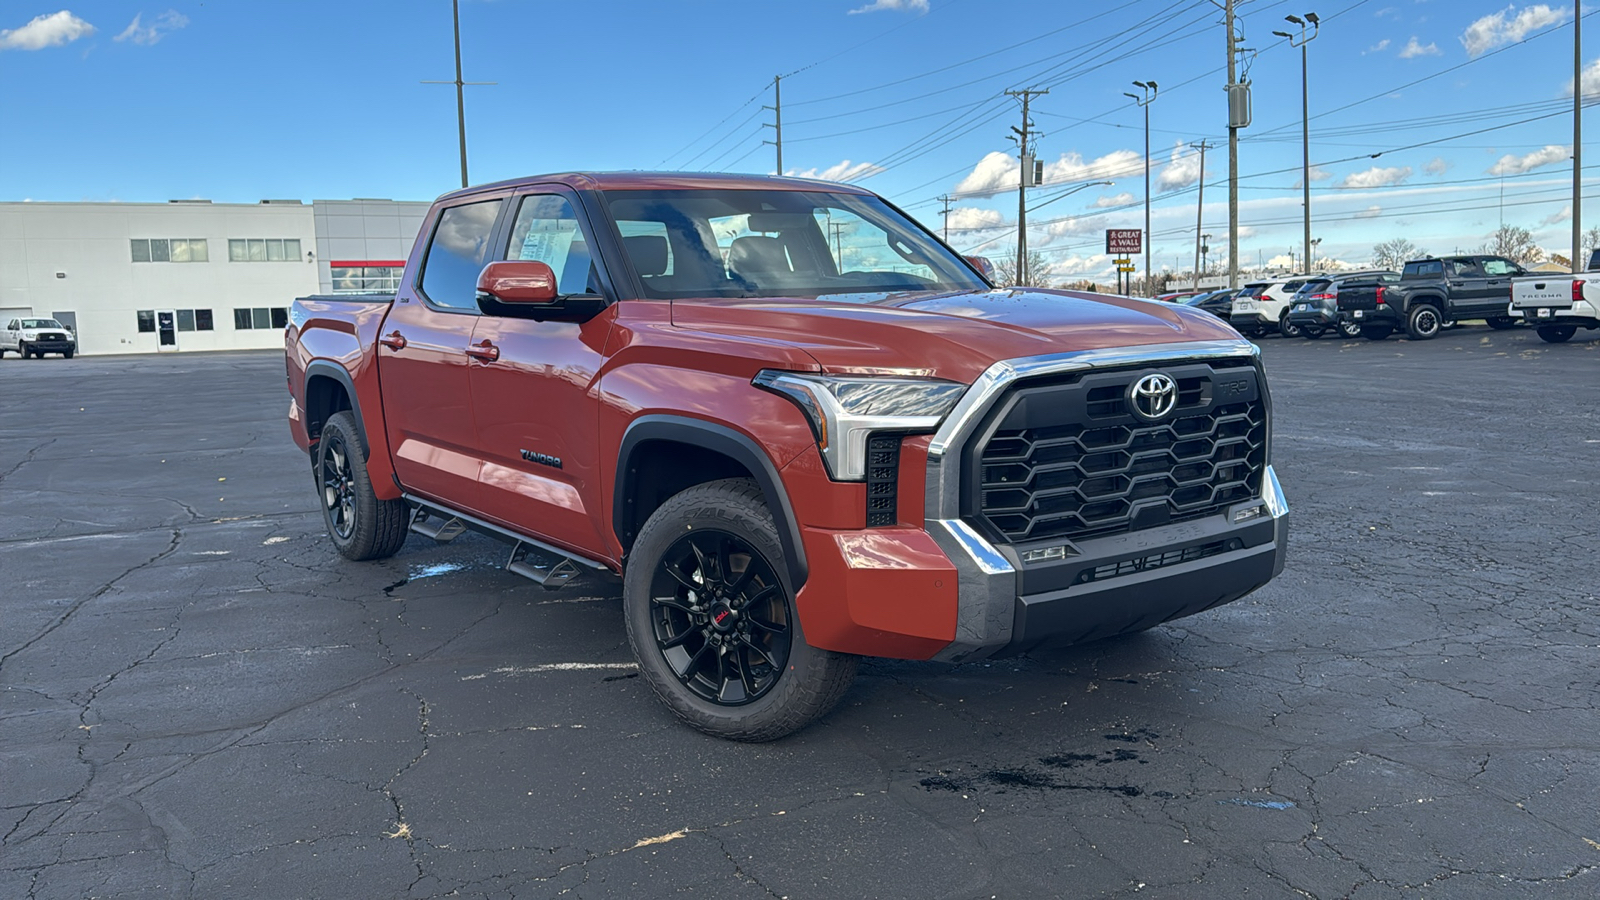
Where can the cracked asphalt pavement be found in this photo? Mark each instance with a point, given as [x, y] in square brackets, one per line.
[199, 698]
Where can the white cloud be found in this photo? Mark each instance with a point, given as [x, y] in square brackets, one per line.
[52, 30]
[171, 20]
[843, 171]
[998, 172]
[1317, 174]
[1591, 80]
[1516, 165]
[1074, 226]
[1282, 261]
[1377, 176]
[920, 6]
[1565, 215]
[1436, 166]
[1182, 171]
[1379, 47]
[1414, 49]
[1105, 200]
[1502, 28]
[964, 218]
[1371, 212]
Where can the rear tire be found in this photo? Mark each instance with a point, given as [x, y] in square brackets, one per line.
[1313, 332]
[361, 526]
[710, 615]
[1423, 322]
[1285, 329]
[1350, 329]
[1376, 332]
[1557, 334]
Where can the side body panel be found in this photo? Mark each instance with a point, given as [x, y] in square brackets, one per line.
[330, 336]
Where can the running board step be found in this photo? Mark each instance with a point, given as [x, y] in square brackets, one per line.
[444, 530]
[541, 568]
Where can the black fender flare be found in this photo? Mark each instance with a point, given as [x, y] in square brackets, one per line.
[321, 368]
[1431, 298]
[719, 439]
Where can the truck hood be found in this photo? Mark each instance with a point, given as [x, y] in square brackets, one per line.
[949, 335]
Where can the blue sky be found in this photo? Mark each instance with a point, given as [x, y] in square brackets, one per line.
[232, 101]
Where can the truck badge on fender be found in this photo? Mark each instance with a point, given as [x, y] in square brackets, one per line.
[543, 459]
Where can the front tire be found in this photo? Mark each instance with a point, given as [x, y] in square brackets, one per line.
[1313, 332]
[1350, 329]
[1285, 329]
[711, 617]
[22, 349]
[361, 526]
[1423, 322]
[66, 354]
[1557, 334]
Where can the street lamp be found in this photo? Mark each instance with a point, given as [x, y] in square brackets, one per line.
[1315, 243]
[1149, 88]
[1305, 116]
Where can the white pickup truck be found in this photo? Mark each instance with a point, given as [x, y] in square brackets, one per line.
[1558, 304]
[36, 337]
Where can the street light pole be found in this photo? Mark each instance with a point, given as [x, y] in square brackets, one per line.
[461, 100]
[1305, 119]
[1149, 88]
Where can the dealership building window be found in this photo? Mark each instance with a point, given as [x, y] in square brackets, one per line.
[188, 320]
[170, 250]
[263, 250]
[261, 317]
[366, 277]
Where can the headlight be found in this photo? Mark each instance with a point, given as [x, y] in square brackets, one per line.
[845, 410]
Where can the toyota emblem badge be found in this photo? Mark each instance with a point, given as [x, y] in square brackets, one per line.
[1153, 397]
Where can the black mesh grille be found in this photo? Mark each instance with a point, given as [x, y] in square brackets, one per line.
[1071, 461]
[883, 479]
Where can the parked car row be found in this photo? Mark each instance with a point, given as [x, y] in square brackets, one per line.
[1424, 298]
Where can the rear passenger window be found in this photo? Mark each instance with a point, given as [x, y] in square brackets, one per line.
[457, 254]
[547, 230]
[1498, 267]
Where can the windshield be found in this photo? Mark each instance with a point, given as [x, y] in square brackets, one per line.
[771, 243]
[41, 323]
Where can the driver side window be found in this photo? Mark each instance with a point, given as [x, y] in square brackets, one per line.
[546, 230]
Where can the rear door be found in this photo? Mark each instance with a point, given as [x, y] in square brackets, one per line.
[1496, 295]
[533, 386]
[423, 362]
[1467, 286]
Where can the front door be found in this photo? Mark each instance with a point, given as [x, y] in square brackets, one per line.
[166, 329]
[422, 359]
[538, 420]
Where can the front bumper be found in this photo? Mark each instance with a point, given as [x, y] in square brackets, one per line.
[50, 346]
[1113, 584]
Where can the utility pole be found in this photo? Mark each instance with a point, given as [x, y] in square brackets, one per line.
[945, 214]
[461, 100]
[777, 115]
[1149, 88]
[1200, 211]
[1025, 156]
[1577, 138]
[1233, 150]
[1305, 119]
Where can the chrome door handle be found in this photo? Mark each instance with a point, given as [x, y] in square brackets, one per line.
[483, 351]
[394, 340]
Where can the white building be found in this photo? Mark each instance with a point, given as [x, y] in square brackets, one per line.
[193, 275]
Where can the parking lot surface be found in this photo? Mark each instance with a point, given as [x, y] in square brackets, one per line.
[199, 698]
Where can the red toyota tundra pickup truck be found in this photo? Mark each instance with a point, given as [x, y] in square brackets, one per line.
[799, 427]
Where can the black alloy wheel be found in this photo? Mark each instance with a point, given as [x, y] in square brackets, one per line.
[1424, 322]
[720, 618]
[338, 487]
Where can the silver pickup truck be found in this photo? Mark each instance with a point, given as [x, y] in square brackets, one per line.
[1558, 304]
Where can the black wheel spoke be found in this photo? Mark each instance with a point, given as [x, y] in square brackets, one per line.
[769, 627]
[743, 667]
[745, 640]
[674, 603]
[724, 564]
[689, 667]
[680, 640]
[682, 579]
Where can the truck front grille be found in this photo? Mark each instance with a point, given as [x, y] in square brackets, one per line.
[1070, 460]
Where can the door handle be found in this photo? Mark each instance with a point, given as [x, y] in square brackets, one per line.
[484, 351]
[394, 340]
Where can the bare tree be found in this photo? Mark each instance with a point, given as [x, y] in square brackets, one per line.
[1591, 243]
[1514, 243]
[1395, 253]
[1039, 266]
